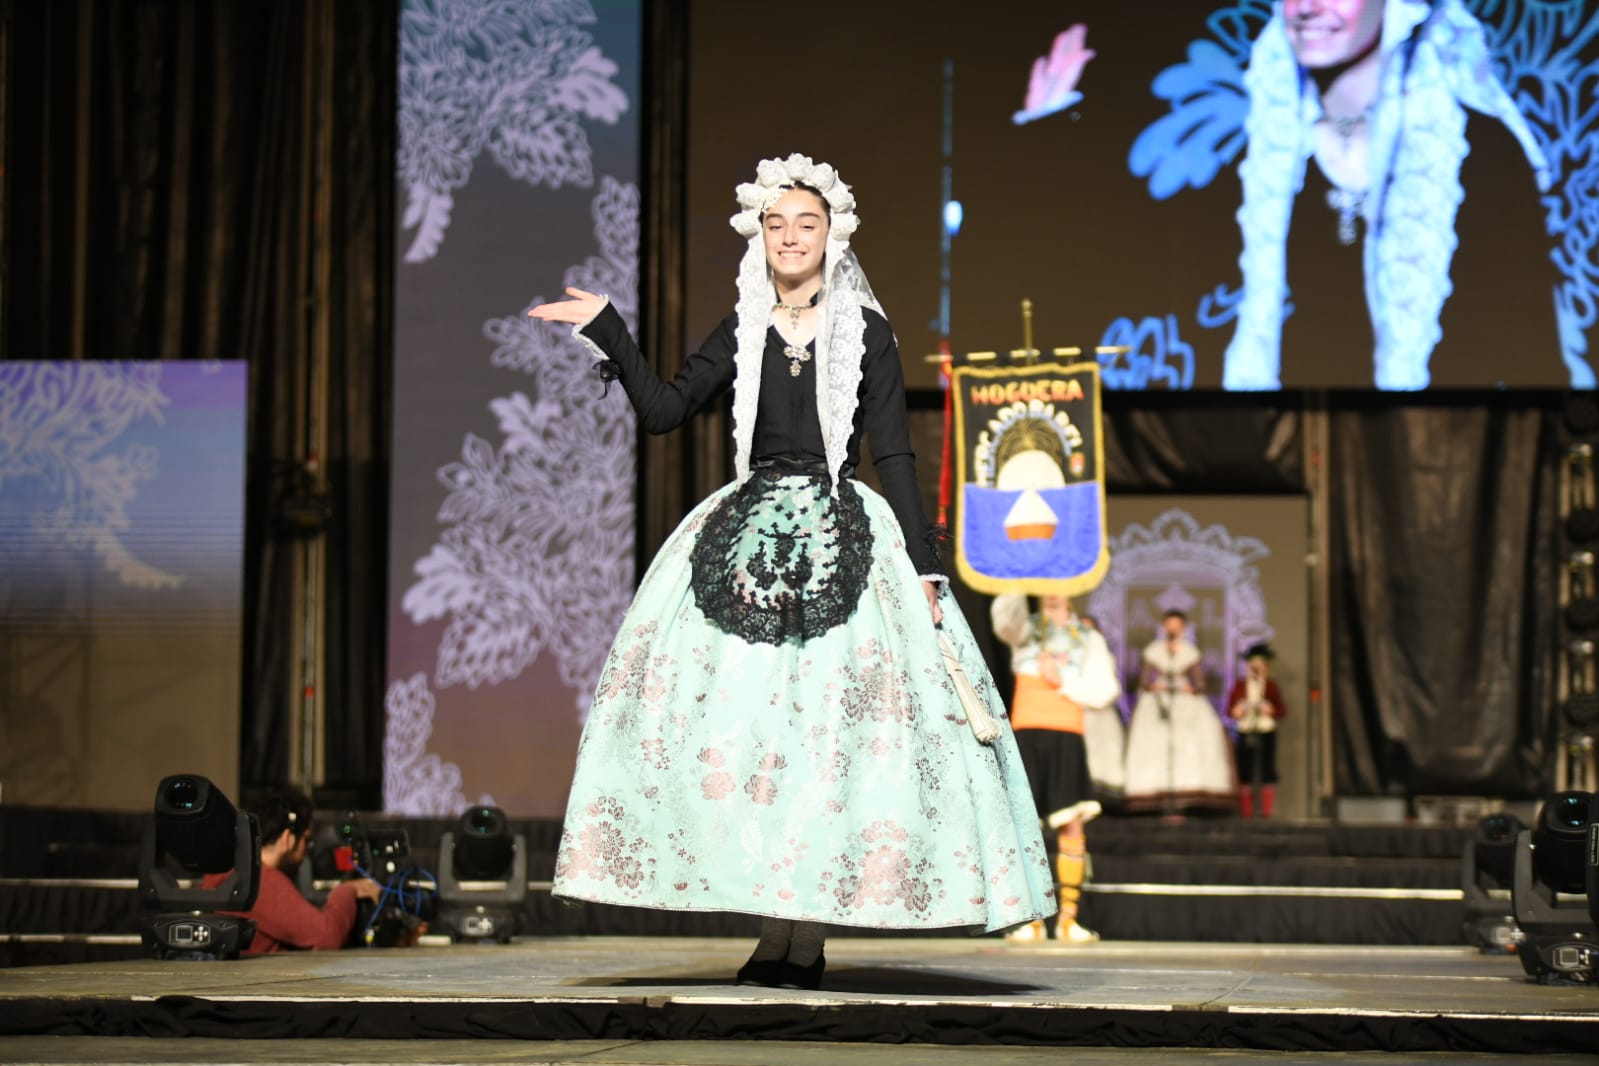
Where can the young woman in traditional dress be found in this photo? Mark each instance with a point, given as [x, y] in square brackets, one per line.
[775, 731]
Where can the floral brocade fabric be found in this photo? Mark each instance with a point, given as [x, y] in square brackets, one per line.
[778, 560]
[826, 776]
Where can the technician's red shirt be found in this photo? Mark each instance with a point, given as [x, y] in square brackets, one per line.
[287, 921]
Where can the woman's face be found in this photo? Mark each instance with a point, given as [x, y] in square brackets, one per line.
[1330, 33]
[795, 229]
[1055, 604]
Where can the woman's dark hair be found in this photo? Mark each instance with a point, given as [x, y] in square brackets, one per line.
[826, 207]
[1174, 613]
[278, 809]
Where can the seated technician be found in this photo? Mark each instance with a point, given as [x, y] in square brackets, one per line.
[284, 919]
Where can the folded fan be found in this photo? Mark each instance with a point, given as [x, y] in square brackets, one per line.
[984, 728]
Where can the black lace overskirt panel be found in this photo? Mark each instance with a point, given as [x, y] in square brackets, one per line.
[780, 560]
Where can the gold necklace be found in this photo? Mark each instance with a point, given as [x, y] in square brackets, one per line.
[796, 355]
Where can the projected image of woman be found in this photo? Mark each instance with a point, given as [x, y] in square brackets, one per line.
[1388, 170]
[775, 731]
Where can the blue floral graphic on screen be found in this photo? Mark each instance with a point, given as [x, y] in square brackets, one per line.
[1577, 215]
[1205, 130]
[1547, 54]
[1544, 52]
[1219, 307]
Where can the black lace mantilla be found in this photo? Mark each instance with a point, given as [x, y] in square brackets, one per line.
[780, 560]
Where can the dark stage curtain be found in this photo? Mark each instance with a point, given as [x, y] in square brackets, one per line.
[214, 180]
[1203, 444]
[678, 470]
[360, 175]
[1444, 576]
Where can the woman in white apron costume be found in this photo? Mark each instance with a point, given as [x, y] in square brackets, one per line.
[1177, 751]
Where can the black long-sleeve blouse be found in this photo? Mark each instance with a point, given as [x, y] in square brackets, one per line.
[787, 423]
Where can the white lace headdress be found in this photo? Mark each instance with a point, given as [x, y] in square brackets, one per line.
[1435, 63]
[841, 332]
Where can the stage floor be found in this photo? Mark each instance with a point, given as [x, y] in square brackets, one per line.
[969, 992]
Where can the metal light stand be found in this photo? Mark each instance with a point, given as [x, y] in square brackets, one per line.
[1577, 695]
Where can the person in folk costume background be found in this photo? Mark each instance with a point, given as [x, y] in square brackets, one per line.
[1105, 734]
[1062, 667]
[1177, 751]
[775, 730]
[1256, 706]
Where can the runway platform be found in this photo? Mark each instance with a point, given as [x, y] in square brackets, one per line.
[605, 992]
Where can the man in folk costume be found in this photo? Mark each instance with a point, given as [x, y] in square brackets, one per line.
[1256, 706]
[1177, 753]
[777, 730]
[1391, 194]
[1062, 667]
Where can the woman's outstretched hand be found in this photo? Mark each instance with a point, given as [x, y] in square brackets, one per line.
[579, 310]
[931, 588]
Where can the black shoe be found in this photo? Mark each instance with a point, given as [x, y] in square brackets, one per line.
[808, 978]
[766, 973]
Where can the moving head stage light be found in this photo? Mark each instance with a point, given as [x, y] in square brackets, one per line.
[1487, 870]
[1559, 940]
[482, 877]
[197, 831]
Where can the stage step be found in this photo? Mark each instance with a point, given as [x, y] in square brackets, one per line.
[1206, 879]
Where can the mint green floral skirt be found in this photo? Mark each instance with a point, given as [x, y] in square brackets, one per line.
[775, 733]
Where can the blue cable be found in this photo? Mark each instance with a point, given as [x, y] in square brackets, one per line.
[395, 886]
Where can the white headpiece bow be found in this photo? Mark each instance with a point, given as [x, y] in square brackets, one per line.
[841, 334]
